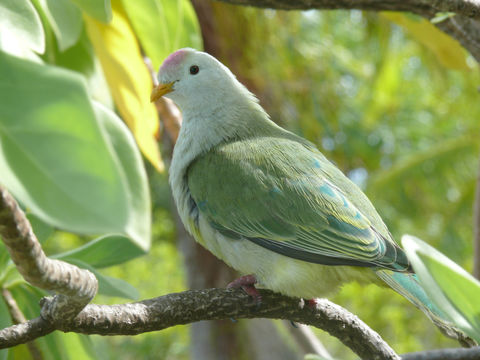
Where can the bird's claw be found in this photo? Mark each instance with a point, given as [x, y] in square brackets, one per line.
[247, 283]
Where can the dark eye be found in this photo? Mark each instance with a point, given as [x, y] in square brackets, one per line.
[194, 69]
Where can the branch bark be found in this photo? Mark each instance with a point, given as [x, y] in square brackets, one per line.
[445, 354]
[76, 287]
[464, 27]
[210, 304]
[468, 8]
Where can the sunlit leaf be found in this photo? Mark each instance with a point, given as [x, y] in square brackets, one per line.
[162, 26]
[128, 78]
[65, 19]
[108, 285]
[448, 51]
[103, 252]
[98, 9]
[450, 287]
[21, 28]
[54, 156]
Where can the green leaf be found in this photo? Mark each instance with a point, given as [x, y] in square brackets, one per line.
[80, 57]
[103, 252]
[129, 160]
[107, 285]
[65, 19]
[449, 286]
[21, 28]
[163, 26]
[98, 9]
[54, 156]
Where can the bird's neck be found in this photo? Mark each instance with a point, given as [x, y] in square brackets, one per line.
[204, 128]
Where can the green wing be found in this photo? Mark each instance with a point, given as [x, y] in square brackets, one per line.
[284, 195]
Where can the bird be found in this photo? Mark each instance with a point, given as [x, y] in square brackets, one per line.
[267, 202]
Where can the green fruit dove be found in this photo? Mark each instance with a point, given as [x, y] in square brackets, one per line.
[266, 201]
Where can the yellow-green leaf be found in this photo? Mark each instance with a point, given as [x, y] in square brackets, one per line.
[448, 51]
[128, 78]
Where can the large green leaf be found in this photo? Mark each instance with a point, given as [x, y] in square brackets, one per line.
[107, 285]
[449, 286]
[163, 26]
[99, 9]
[103, 252]
[54, 156]
[21, 28]
[65, 19]
[129, 161]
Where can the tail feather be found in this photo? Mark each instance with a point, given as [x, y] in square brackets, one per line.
[407, 285]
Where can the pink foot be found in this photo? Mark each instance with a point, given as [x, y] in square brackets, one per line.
[247, 283]
[312, 303]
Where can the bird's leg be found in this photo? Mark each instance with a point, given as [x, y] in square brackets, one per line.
[312, 303]
[247, 283]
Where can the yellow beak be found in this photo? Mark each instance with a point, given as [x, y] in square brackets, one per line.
[160, 90]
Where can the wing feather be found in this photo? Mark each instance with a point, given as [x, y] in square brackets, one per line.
[282, 195]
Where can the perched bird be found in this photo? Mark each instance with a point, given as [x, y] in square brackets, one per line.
[268, 202]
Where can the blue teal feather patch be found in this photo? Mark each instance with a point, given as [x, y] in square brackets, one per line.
[327, 190]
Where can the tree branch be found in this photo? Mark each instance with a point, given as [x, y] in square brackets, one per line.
[211, 304]
[76, 286]
[468, 8]
[445, 354]
[465, 26]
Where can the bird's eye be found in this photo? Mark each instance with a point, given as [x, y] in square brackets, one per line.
[194, 69]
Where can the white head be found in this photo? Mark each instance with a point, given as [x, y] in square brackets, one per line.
[197, 81]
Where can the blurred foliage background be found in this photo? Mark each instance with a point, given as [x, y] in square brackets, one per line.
[387, 97]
